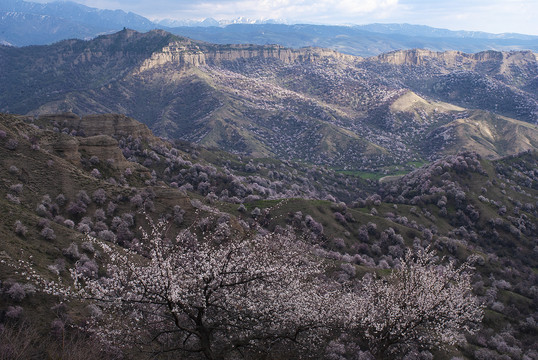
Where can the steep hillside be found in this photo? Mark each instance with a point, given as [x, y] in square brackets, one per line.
[489, 207]
[490, 135]
[38, 74]
[495, 81]
[106, 175]
[310, 104]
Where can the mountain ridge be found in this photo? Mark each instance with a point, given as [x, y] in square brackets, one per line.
[309, 104]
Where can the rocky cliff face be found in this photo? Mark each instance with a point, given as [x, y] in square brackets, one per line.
[186, 54]
[115, 125]
[102, 146]
[99, 133]
[456, 59]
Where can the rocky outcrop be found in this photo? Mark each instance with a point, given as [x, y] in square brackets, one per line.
[457, 59]
[114, 125]
[106, 148]
[187, 54]
[67, 148]
[420, 57]
[103, 147]
[99, 132]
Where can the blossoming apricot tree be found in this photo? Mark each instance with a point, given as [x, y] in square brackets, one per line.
[423, 304]
[212, 298]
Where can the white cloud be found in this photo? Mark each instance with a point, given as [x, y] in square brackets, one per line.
[496, 16]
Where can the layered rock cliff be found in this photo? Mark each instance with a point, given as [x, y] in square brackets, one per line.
[97, 137]
[457, 59]
[184, 54]
[115, 125]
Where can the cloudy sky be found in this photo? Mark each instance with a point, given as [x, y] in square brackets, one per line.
[497, 16]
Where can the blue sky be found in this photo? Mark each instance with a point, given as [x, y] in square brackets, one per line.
[496, 16]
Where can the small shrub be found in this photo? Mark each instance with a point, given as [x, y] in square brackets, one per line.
[14, 312]
[94, 160]
[340, 218]
[348, 269]
[59, 219]
[13, 199]
[99, 196]
[48, 233]
[43, 223]
[84, 228]
[58, 267]
[87, 247]
[69, 223]
[87, 268]
[96, 173]
[339, 243]
[42, 211]
[13, 170]
[137, 201]
[16, 189]
[72, 252]
[20, 229]
[77, 208]
[12, 144]
[16, 292]
[83, 197]
[60, 200]
[107, 235]
[99, 215]
[57, 328]
[111, 208]
[99, 226]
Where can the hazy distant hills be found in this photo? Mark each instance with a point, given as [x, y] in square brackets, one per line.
[426, 31]
[314, 105]
[26, 23]
[365, 40]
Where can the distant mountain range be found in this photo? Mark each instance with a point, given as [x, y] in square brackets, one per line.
[25, 23]
[366, 40]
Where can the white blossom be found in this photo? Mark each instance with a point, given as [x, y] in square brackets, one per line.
[421, 304]
[200, 296]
